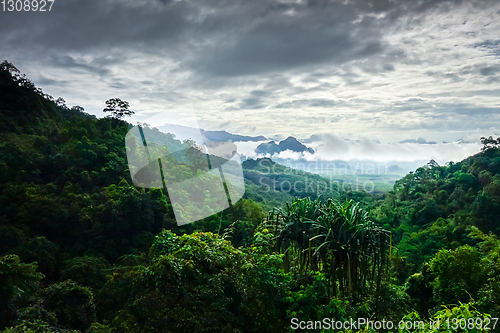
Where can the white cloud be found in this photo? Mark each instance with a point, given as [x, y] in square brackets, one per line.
[392, 71]
[334, 148]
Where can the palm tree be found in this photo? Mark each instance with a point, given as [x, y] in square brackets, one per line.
[354, 248]
[339, 239]
[294, 227]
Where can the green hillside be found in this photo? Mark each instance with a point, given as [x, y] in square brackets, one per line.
[84, 250]
[435, 207]
[272, 184]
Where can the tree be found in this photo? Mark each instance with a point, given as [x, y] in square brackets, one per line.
[459, 274]
[200, 283]
[118, 108]
[72, 304]
[196, 159]
[87, 271]
[61, 102]
[489, 143]
[339, 239]
[16, 76]
[16, 278]
[9, 67]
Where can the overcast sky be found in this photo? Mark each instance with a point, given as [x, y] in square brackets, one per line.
[384, 69]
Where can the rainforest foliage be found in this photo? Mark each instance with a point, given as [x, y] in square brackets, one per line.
[84, 250]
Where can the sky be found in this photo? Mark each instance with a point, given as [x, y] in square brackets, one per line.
[386, 70]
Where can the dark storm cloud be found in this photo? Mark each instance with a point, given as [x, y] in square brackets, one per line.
[214, 37]
[279, 42]
[75, 25]
[68, 62]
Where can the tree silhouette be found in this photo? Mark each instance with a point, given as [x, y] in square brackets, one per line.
[9, 67]
[118, 108]
[489, 143]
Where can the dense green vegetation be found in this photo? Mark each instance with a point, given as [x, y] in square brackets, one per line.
[272, 184]
[434, 207]
[83, 250]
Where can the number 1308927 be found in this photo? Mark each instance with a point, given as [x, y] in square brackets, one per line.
[27, 5]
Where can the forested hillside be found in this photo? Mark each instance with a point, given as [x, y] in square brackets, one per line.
[83, 249]
[272, 184]
[434, 207]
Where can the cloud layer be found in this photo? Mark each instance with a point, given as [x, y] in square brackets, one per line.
[390, 70]
[335, 148]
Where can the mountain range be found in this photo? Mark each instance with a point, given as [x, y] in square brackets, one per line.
[289, 143]
[184, 132]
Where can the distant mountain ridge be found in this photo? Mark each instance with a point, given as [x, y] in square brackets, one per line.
[420, 140]
[289, 143]
[185, 132]
[226, 136]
